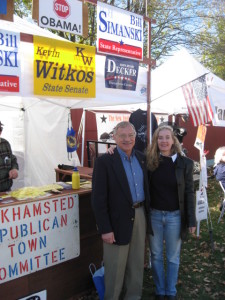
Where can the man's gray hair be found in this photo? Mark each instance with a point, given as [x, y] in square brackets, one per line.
[123, 124]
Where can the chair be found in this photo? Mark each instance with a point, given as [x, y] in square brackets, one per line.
[223, 203]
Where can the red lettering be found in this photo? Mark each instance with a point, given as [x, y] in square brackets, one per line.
[55, 204]
[62, 202]
[37, 259]
[63, 220]
[23, 268]
[11, 249]
[11, 233]
[3, 215]
[16, 213]
[70, 202]
[37, 209]
[31, 229]
[45, 228]
[54, 259]
[32, 244]
[2, 276]
[47, 206]
[26, 212]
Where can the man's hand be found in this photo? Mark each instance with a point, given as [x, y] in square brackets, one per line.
[108, 238]
[13, 174]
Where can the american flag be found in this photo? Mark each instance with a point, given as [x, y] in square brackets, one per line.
[197, 100]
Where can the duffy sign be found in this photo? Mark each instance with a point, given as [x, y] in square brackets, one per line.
[119, 32]
[63, 15]
[38, 235]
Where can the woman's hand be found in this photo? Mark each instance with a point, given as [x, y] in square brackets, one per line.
[110, 150]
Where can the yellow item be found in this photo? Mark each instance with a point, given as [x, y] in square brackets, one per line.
[75, 179]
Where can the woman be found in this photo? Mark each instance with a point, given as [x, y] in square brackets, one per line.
[172, 207]
[219, 167]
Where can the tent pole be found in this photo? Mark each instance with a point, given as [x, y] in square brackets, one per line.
[83, 137]
[149, 136]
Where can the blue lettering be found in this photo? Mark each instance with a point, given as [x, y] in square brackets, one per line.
[46, 258]
[43, 69]
[3, 232]
[1, 39]
[55, 223]
[21, 248]
[13, 272]
[61, 254]
[23, 230]
[101, 15]
[43, 242]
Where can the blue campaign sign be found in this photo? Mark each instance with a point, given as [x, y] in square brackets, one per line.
[121, 73]
[3, 7]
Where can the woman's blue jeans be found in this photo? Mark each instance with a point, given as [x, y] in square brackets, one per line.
[166, 227]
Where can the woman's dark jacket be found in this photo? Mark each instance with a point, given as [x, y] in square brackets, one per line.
[185, 185]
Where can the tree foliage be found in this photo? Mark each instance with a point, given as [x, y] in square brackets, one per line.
[211, 39]
[197, 25]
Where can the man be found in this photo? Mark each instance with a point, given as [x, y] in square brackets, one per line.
[120, 200]
[8, 164]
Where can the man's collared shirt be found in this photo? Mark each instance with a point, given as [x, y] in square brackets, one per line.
[134, 174]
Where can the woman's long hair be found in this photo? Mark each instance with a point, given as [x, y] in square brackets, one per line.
[218, 155]
[153, 153]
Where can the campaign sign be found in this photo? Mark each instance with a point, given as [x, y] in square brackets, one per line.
[37, 235]
[121, 73]
[9, 61]
[201, 206]
[119, 32]
[63, 69]
[62, 15]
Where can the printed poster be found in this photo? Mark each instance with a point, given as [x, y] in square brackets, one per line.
[119, 32]
[10, 67]
[37, 235]
[121, 73]
[201, 205]
[63, 69]
[62, 15]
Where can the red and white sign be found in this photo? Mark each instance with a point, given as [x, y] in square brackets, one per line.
[119, 32]
[62, 15]
[61, 8]
[38, 235]
[9, 61]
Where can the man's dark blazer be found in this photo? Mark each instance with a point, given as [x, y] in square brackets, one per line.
[111, 197]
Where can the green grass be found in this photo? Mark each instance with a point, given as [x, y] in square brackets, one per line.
[202, 267]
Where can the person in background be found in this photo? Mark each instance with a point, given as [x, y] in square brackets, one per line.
[8, 164]
[120, 200]
[139, 119]
[172, 209]
[219, 166]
